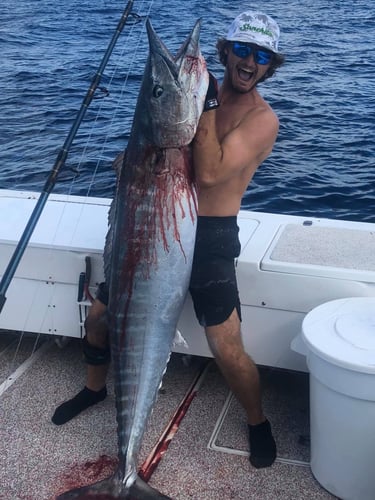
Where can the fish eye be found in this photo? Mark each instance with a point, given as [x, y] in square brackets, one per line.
[157, 91]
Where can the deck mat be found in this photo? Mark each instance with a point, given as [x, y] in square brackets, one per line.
[286, 404]
[15, 349]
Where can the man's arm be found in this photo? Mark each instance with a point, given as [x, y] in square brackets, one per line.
[244, 147]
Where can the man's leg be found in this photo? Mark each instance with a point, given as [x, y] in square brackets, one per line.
[96, 352]
[242, 378]
[96, 327]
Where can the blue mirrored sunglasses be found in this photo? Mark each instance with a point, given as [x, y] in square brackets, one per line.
[244, 50]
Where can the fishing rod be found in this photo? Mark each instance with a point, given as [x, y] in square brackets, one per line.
[60, 162]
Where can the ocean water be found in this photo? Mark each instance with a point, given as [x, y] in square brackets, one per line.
[323, 161]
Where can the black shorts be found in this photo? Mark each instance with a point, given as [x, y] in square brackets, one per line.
[213, 283]
[102, 293]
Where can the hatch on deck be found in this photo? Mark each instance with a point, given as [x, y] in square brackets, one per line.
[318, 250]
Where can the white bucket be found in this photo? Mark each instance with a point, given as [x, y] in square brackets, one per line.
[339, 344]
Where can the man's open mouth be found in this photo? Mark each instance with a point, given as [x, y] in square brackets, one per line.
[245, 74]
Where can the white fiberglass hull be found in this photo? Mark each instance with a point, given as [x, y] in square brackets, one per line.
[288, 265]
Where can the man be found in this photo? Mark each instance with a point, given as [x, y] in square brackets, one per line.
[232, 140]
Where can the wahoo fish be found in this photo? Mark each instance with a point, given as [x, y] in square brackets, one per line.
[149, 248]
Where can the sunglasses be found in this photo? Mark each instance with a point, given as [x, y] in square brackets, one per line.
[244, 50]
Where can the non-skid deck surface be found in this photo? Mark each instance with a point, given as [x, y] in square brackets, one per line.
[193, 470]
[14, 350]
[326, 246]
[286, 404]
[39, 460]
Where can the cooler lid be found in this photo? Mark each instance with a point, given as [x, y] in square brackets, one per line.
[343, 333]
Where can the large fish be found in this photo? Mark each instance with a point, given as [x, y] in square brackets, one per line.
[149, 248]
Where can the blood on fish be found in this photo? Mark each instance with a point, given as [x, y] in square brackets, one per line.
[164, 185]
[192, 64]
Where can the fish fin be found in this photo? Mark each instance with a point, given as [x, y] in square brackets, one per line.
[102, 489]
[179, 340]
[112, 488]
[140, 490]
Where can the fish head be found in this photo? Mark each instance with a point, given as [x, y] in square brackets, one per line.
[173, 91]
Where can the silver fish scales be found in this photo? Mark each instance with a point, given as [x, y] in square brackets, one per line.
[149, 248]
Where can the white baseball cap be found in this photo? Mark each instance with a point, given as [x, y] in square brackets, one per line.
[257, 28]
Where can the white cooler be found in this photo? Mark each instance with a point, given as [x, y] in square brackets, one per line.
[339, 344]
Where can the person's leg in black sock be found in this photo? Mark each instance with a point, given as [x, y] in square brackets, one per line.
[262, 445]
[83, 400]
[97, 356]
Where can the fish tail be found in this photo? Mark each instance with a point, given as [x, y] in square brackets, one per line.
[102, 490]
[111, 489]
[140, 490]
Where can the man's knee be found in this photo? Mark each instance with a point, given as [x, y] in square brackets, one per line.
[95, 356]
[96, 343]
[225, 339]
[96, 324]
[97, 331]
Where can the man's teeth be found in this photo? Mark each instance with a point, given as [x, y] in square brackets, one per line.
[245, 74]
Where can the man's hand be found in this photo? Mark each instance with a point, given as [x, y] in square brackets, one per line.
[211, 101]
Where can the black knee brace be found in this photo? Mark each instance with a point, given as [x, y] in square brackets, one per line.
[95, 355]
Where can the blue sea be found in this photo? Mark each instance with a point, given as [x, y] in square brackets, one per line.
[323, 161]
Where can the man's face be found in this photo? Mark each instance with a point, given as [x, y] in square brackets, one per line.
[246, 65]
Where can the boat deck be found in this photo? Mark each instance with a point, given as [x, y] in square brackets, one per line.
[206, 459]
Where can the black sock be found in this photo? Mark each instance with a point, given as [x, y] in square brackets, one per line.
[84, 399]
[262, 445]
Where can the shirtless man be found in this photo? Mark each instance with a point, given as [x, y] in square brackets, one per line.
[232, 140]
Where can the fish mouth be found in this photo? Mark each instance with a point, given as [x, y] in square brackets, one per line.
[174, 91]
[160, 54]
[190, 49]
